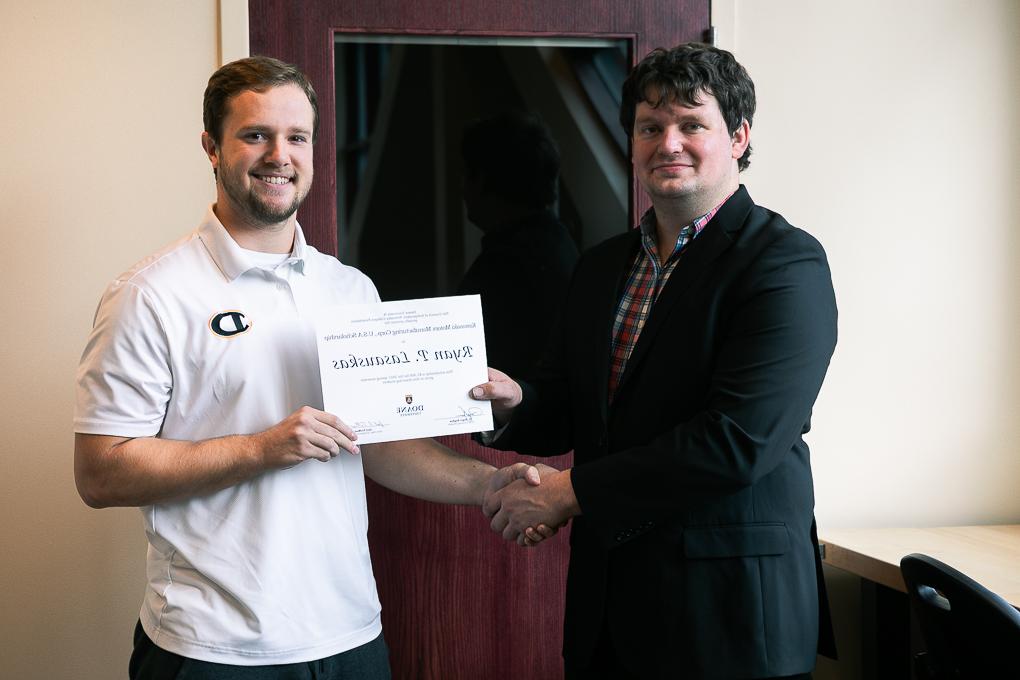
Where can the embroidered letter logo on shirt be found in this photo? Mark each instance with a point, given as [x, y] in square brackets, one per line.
[229, 324]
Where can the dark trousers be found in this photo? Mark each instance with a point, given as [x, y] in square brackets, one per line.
[370, 661]
[605, 665]
[614, 671]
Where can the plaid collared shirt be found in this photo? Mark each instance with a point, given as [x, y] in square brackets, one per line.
[646, 280]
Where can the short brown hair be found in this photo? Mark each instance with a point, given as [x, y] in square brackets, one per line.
[253, 73]
[683, 74]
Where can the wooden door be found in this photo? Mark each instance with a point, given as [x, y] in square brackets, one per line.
[458, 602]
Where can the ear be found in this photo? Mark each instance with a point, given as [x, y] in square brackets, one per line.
[741, 138]
[209, 146]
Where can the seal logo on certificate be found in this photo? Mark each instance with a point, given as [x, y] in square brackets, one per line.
[403, 369]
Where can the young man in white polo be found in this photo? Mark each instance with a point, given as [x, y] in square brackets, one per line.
[198, 401]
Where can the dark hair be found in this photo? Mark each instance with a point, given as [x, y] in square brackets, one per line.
[253, 73]
[682, 75]
[516, 157]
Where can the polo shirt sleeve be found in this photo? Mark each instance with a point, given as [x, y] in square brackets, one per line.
[124, 379]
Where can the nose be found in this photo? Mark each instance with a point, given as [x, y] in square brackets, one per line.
[671, 141]
[276, 152]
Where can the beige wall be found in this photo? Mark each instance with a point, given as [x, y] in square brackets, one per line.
[887, 129]
[101, 163]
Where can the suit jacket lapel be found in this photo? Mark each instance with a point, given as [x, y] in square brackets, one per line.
[607, 296]
[695, 260]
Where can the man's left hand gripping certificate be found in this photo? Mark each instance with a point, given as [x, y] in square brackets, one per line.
[403, 369]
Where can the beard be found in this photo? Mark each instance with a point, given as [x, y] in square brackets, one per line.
[257, 208]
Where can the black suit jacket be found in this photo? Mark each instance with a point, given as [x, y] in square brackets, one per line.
[696, 540]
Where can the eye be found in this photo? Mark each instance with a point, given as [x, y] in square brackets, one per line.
[694, 127]
[647, 129]
[299, 139]
[255, 136]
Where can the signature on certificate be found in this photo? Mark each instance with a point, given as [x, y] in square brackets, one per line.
[363, 426]
[466, 415]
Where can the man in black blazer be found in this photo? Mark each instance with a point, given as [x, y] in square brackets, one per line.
[683, 377]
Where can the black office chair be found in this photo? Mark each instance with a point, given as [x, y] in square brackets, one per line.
[969, 631]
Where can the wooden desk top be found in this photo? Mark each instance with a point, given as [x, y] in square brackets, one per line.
[988, 554]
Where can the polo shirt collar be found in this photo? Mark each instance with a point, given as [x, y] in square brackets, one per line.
[231, 258]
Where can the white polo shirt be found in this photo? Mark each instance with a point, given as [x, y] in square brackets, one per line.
[196, 342]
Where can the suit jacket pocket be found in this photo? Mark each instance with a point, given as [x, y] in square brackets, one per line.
[728, 594]
[736, 540]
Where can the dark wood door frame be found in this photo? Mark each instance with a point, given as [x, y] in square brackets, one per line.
[303, 33]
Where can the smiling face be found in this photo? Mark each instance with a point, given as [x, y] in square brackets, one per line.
[263, 163]
[686, 154]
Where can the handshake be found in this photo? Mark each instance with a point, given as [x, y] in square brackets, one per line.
[526, 503]
[529, 503]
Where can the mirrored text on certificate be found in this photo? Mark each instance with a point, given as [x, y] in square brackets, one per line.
[403, 369]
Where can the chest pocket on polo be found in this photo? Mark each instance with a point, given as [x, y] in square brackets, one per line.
[229, 352]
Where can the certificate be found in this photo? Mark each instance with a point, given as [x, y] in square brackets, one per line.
[403, 369]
